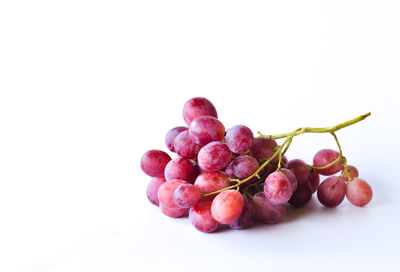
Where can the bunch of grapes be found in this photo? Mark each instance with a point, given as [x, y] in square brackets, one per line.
[231, 177]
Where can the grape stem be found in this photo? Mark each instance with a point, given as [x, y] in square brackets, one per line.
[281, 150]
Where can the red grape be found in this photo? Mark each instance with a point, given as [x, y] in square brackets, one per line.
[166, 192]
[331, 192]
[206, 129]
[180, 168]
[152, 189]
[291, 177]
[171, 135]
[263, 149]
[201, 218]
[227, 206]
[185, 146]
[242, 167]
[301, 196]
[352, 171]
[239, 138]
[246, 218]
[277, 188]
[186, 195]
[153, 162]
[209, 182]
[265, 211]
[325, 157]
[174, 213]
[198, 106]
[358, 192]
[214, 156]
[313, 179]
[300, 169]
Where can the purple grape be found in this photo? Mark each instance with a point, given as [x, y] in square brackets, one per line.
[265, 211]
[206, 129]
[180, 168]
[152, 190]
[325, 157]
[246, 218]
[301, 196]
[185, 146]
[171, 135]
[300, 169]
[242, 167]
[198, 106]
[186, 195]
[201, 218]
[277, 188]
[331, 192]
[153, 162]
[263, 149]
[214, 156]
[239, 139]
[291, 177]
[313, 179]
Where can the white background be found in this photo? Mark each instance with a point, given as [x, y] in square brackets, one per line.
[86, 87]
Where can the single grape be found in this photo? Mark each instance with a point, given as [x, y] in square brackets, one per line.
[246, 218]
[152, 189]
[300, 169]
[171, 135]
[185, 146]
[153, 162]
[277, 188]
[201, 218]
[206, 129]
[174, 213]
[302, 195]
[242, 167]
[198, 106]
[352, 171]
[166, 192]
[239, 139]
[214, 156]
[265, 211]
[313, 179]
[291, 177]
[209, 182]
[263, 149]
[325, 157]
[227, 206]
[358, 192]
[180, 168]
[186, 195]
[331, 192]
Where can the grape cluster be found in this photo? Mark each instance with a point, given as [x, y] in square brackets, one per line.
[230, 177]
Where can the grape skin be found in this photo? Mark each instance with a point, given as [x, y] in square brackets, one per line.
[331, 192]
[313, 179]
[265, 211]
[180, 168]
[201, 218]
[277, 188]
[352, 171]
[174, 213]
[185, 146]
[300, 169]
[153, 162]
[263, 149]
[186, 195]
[358, 192]
[206, 129]
[214, 156]
[166, 193]
[152, 190]
[171, 135]
[208, 182]
[325, 157]
[242, 167]
[291, 177]
[246, 218]
[198, 106]
[301, 196]
[239, 139]
[227, 206]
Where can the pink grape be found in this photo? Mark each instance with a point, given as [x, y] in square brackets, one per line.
[265, 211]
[198, 106]
[277, 188]
[206, 129]
[263, 149]
[331, 192]
[239, 138]
[152, 190]
[209, 182]
[325, 157]
[185, 146]
[242, 167]
[214, 156]
[153, 162]
[166, 192]
[180, 168]
[358, 192]
[246, 218]
[171, 135]
[313, 179]
[302, 195]
[174, 213]
[201, 218]
[227, 206]
[352, 171]
[291, 177]
[186, 195]
[300, 169]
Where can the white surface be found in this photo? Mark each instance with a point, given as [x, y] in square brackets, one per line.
[87, 86]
